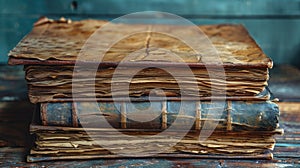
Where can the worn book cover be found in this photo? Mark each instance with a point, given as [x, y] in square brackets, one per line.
[197, 115]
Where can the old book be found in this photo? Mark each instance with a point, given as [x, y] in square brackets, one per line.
[60, 43]
[64, 143]
[238, 84]
[242, 69]
[198, 115]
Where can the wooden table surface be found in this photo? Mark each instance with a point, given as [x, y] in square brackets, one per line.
[15, 141]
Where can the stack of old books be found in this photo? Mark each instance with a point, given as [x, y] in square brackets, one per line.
[157, 104]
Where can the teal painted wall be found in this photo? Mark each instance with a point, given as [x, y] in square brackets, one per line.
[275, 24]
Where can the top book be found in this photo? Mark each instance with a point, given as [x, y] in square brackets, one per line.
[60, 42]
[208, 61]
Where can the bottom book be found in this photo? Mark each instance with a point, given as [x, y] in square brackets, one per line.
[70, 143]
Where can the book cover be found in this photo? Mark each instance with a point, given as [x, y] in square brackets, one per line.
[229, 115]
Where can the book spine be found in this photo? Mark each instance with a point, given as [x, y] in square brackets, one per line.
[231, 115]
